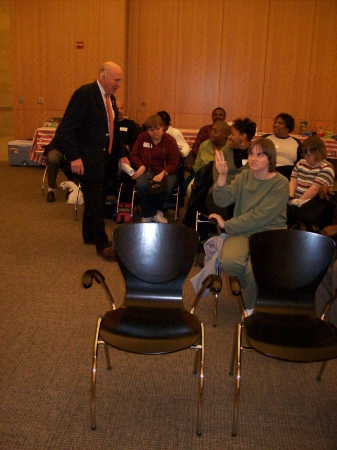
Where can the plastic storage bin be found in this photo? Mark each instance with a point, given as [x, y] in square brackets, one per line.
[18, 153]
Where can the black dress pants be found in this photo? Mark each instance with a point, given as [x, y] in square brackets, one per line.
[94, 193]
[93, 224]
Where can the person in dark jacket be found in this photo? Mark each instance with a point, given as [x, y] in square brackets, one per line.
[89, 138]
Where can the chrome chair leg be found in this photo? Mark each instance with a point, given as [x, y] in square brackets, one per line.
[76, 203]
[234, 351]
[237, 381]
[94, 376]
[201, 380]
[43, 180]
[215, 309]
[321, 370]
[176, 212]
[132, 205]
[199, 362]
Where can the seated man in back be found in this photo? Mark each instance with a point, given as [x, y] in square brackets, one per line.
[218, 138]
[204, 133]
[127, 127]
[56, 160]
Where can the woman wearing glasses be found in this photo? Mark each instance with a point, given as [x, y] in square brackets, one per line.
[309, 174]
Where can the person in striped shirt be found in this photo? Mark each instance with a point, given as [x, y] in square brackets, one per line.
[309, 174]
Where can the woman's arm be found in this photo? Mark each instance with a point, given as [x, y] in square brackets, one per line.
[292, 186]
[311, 192]
[136, 154]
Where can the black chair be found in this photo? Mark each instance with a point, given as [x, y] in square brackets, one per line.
[288, 266]
[155, 260]
[285, 171]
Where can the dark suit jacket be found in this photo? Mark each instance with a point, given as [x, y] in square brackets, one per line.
[83, 133]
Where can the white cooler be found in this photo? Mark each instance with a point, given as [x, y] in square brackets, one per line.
[18, 153]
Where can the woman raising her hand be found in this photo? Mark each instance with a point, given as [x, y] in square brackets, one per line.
[260, 195]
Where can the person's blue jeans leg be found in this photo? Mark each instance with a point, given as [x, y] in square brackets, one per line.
[150, 204]
[145, 200]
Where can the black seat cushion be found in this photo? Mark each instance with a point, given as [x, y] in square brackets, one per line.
[150, 330]
[292, 337]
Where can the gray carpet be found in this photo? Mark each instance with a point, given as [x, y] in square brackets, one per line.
[47, 329]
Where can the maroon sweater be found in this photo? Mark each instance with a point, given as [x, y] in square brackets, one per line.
[146, 153]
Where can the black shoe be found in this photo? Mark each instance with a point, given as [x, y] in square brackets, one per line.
[50, 197]
[107, 253]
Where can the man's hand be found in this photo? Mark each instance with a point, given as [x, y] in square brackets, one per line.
[77, 166]
[124, 160]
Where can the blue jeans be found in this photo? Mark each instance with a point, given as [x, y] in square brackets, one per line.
[150, 204]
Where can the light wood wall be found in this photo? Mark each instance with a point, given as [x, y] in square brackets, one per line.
[254, 58]
[45, 61]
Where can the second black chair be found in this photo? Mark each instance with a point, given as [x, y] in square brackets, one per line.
[288, 267]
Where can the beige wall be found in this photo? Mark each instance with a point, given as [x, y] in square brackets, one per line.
[254, 58]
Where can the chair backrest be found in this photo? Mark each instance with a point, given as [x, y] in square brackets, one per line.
[288, 266]
[285, 171]
[155, 260]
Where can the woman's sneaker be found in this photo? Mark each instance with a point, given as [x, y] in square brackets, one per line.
[159, 217]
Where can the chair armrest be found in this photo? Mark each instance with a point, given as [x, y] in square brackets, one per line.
[237, 292]
[213, 283]
[91, 274]
[328, 305]
[235, 286]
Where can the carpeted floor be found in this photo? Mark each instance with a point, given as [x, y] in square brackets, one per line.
[144, 403]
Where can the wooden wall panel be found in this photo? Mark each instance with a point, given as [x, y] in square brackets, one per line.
[25, 49]
[243, 58]
[322, 91]
[156, 57]
[45, 50]
[288, 59]
[198, 61]
[132, 62]
[254, 58]
[25, 121]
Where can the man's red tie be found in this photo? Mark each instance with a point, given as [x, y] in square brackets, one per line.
[111, 120]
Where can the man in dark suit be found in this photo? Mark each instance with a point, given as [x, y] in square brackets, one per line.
[91, 144]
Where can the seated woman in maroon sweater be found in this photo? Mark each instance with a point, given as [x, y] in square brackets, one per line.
[154, 154]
